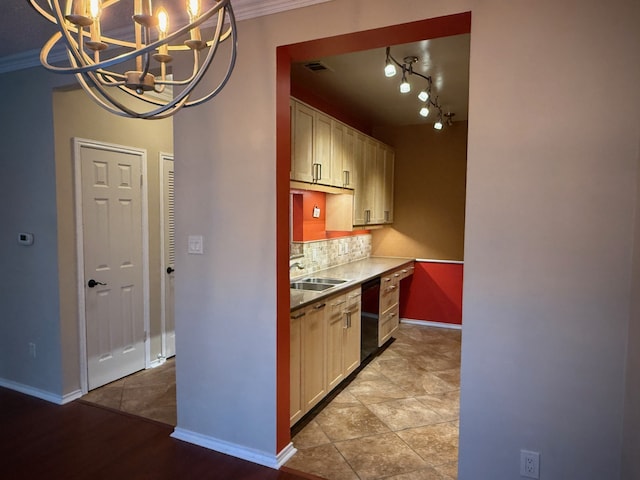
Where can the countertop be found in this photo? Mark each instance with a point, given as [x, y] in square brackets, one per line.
[355, 273]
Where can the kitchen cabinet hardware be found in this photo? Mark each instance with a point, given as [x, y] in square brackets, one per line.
[319, 306]
[346, 180]
[396, 275]
[338, 303]
[300, 315]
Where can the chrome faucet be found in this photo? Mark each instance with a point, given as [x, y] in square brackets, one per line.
[296, 264]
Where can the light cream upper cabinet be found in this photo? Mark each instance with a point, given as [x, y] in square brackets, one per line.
[358, 179]
[389, 164]
[338, 130]
[349, 146]
[373, 194]
[321, 167]
[302, 149]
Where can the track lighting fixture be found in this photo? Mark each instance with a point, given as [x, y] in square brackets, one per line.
[425, 95]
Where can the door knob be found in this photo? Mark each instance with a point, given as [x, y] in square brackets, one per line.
[92, 283]
[170, 270]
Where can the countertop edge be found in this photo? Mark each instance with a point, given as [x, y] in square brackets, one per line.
[352, 283]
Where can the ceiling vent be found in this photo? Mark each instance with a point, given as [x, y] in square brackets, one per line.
[316, 66]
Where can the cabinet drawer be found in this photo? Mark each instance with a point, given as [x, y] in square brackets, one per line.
[388, 324]
[389, 293]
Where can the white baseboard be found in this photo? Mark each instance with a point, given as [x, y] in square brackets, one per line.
[238, 451]
[157, 362]
[286, 453]
[426, 323]
[41, 394]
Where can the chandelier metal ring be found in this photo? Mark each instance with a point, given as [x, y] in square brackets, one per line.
[79, 30]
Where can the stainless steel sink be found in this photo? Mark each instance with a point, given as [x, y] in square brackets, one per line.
[310, 286]
[330, 281]
[317, 284]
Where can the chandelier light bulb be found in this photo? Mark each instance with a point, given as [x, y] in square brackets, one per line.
[424, 111]
[423, 96]
[193, 9]
[94, 9]
[438, 124]
[163, 22]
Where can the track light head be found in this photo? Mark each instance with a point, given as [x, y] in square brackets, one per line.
[405, 86]
[389, 67]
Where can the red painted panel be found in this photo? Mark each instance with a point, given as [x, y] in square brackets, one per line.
[433, 293]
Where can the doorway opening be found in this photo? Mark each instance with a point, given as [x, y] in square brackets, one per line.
[308, 51]
[77, 117]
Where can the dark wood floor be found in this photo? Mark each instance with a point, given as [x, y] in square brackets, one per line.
[82, 441]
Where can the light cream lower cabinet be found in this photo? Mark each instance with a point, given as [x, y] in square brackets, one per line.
[389, 318]
[325, 349]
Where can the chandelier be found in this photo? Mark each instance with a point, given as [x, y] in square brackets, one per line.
[136, 59]
[425, 95]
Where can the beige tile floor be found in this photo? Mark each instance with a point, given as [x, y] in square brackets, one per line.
[148, 393]
[397, 420]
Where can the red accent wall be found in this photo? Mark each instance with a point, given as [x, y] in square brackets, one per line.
[433, 293]
[307, 228]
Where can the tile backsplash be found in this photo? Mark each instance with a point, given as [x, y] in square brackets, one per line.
[323, 254]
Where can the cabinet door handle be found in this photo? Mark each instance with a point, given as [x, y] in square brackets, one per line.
[338, 303]
[319, 306]
[387, 279]
[355, 295]
[386, 215]
[346, 180]
[347, 319]
[300, 315]
[316, 173]
[396, 274]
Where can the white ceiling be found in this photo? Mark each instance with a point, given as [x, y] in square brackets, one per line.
[357, 83]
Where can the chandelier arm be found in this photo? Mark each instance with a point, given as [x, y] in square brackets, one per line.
[120, 109]
[232, 62]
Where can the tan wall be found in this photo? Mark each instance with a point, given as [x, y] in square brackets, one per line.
[75, 115]
[429, 193]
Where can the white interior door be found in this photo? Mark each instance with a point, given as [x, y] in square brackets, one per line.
[112, 259]
[168, 255]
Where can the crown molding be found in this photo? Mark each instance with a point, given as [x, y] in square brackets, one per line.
[243, 10]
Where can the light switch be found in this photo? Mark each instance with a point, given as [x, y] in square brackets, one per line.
[195, 245]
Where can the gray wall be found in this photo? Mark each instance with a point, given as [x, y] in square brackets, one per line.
[29, 306]
[553, 146]
[631, 439]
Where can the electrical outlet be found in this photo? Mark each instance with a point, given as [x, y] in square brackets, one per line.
[529, 464]
[32, 350]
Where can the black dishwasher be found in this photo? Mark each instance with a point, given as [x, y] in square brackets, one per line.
[370, 320]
